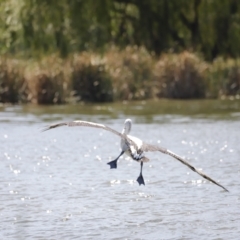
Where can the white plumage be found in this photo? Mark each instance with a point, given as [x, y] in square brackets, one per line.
[132, 146]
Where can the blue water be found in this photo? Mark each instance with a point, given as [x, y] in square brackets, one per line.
[57, 185]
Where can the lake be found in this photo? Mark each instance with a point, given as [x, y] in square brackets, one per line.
[57, 185]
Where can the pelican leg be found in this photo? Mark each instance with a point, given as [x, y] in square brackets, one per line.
[140, 179]
[113, 164]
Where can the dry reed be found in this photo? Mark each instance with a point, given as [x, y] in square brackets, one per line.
[132, 73]
[223, 78]
[13, 86]
[180, 76]
[47, 80]
[89, 79]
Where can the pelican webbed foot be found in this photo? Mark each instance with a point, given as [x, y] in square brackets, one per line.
[140, 180]
[113, 164]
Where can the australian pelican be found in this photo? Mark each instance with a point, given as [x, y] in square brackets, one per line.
[132, 146]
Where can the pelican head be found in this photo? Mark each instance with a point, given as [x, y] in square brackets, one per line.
[127, 126]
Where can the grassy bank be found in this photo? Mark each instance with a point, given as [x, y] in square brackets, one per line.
[129, 74]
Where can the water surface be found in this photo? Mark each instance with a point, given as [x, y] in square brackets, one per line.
[57, 185]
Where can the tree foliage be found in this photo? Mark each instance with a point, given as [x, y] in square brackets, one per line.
[36, 27]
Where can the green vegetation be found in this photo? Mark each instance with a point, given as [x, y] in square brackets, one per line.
[36, 27]
[107, 50]
[130, 74]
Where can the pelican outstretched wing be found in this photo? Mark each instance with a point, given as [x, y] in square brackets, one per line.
[148, 147]
[145, 147]
[91, 124]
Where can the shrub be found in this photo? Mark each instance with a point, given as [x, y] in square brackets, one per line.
[131, 72]
[13, 87]
[89, 79]
[180, 76]
[223, 78]
[47, 81]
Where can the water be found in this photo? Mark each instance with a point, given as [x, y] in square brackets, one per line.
[57, 185]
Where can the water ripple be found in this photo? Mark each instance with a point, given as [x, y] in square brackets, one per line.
[57, 184]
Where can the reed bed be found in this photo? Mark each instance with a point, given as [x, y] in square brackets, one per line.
[90, 80]
[131, 71]
[180, 76]
[47, 80]
[223, 78]
[13, 85]
[129, 74]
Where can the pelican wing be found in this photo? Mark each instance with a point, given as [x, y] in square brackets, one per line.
[148, 147]
[152, 148]
[91, 124]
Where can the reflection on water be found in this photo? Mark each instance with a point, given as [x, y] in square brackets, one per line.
[142, 112]
[57, 184]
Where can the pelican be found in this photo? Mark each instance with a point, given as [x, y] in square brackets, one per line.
[133, 147]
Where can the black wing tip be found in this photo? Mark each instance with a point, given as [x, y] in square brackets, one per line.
[226, 190]
[46, 128]
[221, 186]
